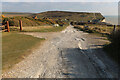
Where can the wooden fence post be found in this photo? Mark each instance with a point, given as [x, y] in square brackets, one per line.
[8, 30]
[114, 29]
[20, 21]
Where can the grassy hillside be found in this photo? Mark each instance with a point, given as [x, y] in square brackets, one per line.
[29, 21]
[49, 18]
[72, 16]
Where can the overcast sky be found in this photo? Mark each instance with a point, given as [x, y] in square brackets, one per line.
[103, 6]
[60, 0]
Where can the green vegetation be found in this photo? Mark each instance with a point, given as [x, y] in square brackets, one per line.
[29, 21]
[14, 21]
[17, 46]
[103, 30]
[43, 29]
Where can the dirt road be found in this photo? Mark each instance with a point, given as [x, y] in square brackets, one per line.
[66, 54]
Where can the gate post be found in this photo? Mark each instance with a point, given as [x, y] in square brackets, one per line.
[8, 30]
[20, 22]
[114, 29]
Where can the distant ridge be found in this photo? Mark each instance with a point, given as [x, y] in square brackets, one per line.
[75, 16]
[16, 13]
[12, 14]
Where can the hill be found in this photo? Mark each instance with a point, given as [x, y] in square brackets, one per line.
[29, 21]
[13, 14]
[71, 16]
[49, 18]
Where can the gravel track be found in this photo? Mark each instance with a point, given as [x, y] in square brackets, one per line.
[66, 54]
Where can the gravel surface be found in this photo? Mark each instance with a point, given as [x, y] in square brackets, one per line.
[66, 54]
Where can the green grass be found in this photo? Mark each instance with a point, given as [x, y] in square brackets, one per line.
[99, 30]
[16, 46]
[39, 29]
[52, 29]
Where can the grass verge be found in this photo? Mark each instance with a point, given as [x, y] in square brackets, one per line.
[39, 29]
[16, 47]
[92, 30]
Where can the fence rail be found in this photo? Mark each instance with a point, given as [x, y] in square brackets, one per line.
[6, 27]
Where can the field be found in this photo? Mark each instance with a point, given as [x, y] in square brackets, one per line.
[16, 47]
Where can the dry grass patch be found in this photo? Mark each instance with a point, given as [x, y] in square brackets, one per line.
[92, 28]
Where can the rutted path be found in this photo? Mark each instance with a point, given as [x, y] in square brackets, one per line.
[69, 53]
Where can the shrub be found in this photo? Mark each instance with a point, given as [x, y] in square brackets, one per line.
[29, 21]
[4, 20]
[11, 23]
